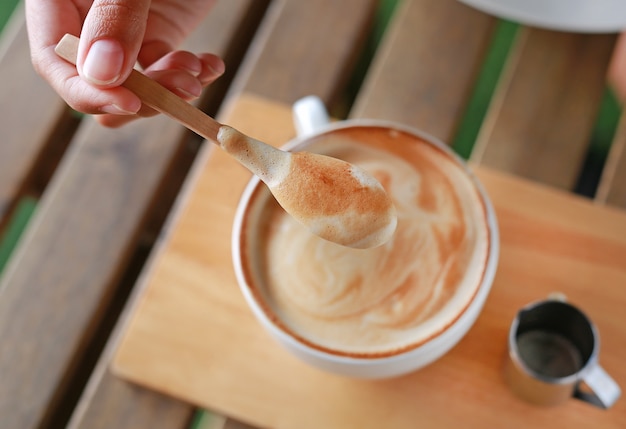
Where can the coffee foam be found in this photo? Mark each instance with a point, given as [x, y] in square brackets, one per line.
[337, 201]
[334, 199]
[382, 300]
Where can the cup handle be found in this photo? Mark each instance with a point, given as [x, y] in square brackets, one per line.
[604, 390]
[309, 115]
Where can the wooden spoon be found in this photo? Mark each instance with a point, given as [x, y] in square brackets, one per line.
[334, 199]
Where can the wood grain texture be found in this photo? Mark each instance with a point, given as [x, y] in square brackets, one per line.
[306, 48]
[56, 289]
[31, 111]
[124, 405]
[71, 261]
[551, 241]
[425, 68]
[612, 187]
[540, 120]
[110, 402]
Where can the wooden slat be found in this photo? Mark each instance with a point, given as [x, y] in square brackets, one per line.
[306, 47]
[612, 187]
[410, 79]
[540, 120]
[110, 402]
[216, 421]
[122, 405]
[57, 287]
[63, 274]
[234, 424]
[31, 111]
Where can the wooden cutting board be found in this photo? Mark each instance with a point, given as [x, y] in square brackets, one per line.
[192, 336]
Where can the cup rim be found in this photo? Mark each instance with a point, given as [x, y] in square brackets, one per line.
[434, 340]
[582, 16]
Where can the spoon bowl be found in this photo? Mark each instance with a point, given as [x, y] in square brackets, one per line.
[334, 199]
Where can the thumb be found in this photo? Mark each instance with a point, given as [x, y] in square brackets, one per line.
[110, 40]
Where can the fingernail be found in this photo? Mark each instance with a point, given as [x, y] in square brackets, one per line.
[116, 110]
[213, 68]
[193, 72]
[104, 62]
[195, 93]
[219, 68]
[213, 73]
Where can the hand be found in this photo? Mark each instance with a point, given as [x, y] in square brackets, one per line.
[617, 68]
[115, 35]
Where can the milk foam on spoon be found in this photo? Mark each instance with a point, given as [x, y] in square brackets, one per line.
[334, 199]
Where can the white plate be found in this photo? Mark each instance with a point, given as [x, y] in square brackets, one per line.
[587, 16]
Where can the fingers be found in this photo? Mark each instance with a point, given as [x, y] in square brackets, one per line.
[212, 68]
[110, 40]
[205, 67]
[114, 36]
[85, 98]
[48, 21]
[617, 68]
[181, 72]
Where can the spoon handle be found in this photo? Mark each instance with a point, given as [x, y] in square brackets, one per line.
[154, 95]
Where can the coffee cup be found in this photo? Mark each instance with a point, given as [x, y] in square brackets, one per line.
[380, 312]
[581, 16]
[553, 349]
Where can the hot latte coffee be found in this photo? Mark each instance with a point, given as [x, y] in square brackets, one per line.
[381, 301]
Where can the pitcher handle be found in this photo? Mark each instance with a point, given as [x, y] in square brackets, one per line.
[605, 390]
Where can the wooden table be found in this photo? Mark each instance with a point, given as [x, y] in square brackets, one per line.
[126, 207]
[192, 336]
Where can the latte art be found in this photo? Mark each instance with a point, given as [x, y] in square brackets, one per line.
[378, 301]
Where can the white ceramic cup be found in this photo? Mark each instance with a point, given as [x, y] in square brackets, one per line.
[584, 16]
[311, 119]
